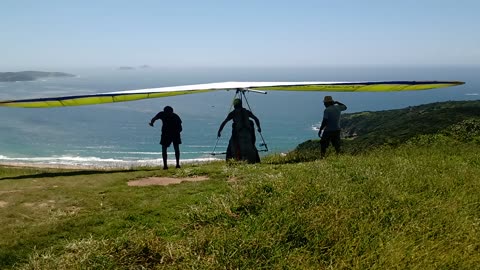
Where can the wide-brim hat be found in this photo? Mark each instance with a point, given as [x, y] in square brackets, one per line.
[327, 99]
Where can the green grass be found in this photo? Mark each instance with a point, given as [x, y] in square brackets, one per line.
[404, 201]
[394, 127]
[46, 208]
[394, 208]
[412, 207]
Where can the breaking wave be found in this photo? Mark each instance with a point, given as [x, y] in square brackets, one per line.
[95, 162]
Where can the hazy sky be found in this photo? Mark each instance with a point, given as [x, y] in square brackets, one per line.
[85, 33]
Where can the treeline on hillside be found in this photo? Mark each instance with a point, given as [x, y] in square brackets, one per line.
[363, 131]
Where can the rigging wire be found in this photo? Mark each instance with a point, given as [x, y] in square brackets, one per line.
[264, 144]
[218, 138]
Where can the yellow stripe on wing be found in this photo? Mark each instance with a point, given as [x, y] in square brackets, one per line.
[91, 99]
[130, 95]
[367, 87]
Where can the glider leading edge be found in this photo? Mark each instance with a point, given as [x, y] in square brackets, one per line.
[130, 95]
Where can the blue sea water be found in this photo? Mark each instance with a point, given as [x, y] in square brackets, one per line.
[118, 135]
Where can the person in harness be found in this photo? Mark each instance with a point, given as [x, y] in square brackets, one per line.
[241, 145]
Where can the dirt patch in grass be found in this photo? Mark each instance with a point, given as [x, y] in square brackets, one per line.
[232, 180]
[3, 204]
[164, 181]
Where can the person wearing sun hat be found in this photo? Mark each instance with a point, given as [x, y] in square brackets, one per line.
[329, 131]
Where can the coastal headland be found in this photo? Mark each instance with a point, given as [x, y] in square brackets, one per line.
[30, 75]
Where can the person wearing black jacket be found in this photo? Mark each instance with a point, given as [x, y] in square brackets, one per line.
[171, 128]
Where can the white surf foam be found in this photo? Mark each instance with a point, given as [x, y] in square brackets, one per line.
[95, 161]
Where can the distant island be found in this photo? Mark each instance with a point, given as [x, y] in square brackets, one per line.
[126, 68]
[132, 68]
[30, 75]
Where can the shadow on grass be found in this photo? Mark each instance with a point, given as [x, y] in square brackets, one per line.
[70, 173]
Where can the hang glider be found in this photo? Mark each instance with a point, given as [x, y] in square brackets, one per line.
[130, 95]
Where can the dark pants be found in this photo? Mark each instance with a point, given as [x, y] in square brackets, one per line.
[165, 141]
[330, 137]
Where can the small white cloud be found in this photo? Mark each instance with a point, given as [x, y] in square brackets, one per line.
[472, 94]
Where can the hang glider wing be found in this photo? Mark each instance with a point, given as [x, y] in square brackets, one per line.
[130, 95]
[385, 86]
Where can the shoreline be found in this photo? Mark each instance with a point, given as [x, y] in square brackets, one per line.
[110, 166]
[57, 166]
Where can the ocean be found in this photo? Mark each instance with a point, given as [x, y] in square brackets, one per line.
[118, 135]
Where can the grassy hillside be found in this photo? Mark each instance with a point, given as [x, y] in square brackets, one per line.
[405, 123]
[412, 205]
[365, 131]
[30, 75]
[396, 126]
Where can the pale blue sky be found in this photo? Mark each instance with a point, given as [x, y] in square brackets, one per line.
[159, 33]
